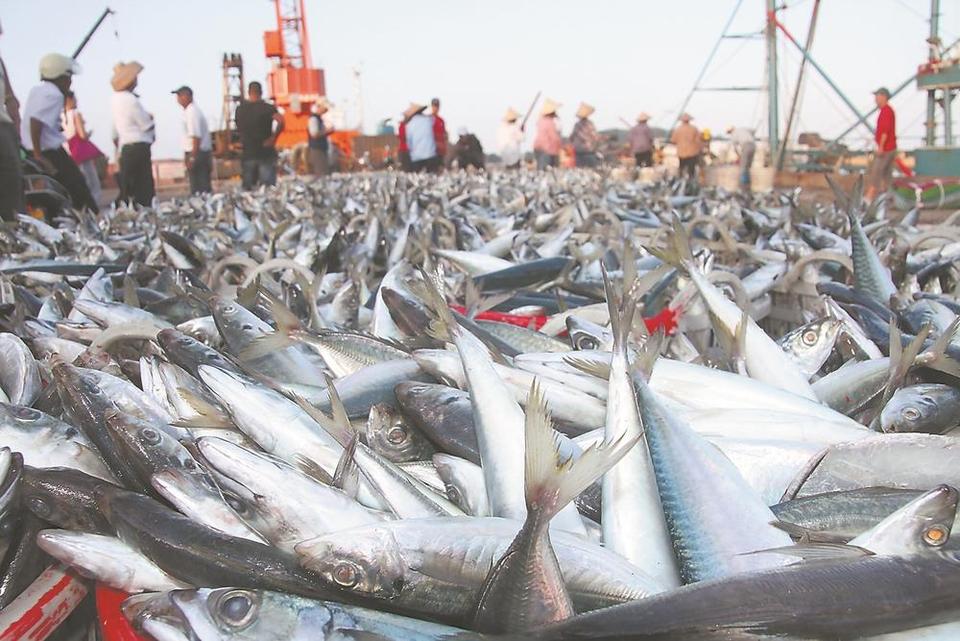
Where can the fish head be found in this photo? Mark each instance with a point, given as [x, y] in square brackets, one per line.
[141, 610]
[79, 390]
[585, 335]
[922, 526]
[235, 322]
[364, 560]
[812, 343]
[915, 409]
[53, 495]
[188, 352]
[238, 614]
[389, 433]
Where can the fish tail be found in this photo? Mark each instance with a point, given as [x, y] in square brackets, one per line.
[678, 252]
[287, 327]
[621, 308]
[442, 325]
[551, 481]
[938, 356]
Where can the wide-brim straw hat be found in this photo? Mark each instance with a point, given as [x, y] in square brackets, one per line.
[125, 74]
[322, 104]
[549, 107]
[511, 114]
[685, 117]
[413, 110]
[643, 117]
[584, 110]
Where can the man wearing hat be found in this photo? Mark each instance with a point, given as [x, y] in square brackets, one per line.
[546, 142]
[584, 138]
[881, 168]
[134, 132]
[421, 139]
[688, 142]
[641, 141]
[510, 140]
[744, 143]
[197, 145]
[11, 172]
[318, 144]
[40, 128]
[258, 123]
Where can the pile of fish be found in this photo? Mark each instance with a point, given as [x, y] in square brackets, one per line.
[518, 405]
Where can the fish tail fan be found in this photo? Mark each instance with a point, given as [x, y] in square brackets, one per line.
[646, 357]
[678, 252]
[621, 307]
[431, 291]
[552, 481]
[287, 326]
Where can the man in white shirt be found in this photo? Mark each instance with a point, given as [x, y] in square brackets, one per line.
[133, 133]
[197, 146]
[510, 140]
[40, 128]
[11, 172]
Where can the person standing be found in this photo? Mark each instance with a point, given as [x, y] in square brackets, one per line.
[881, 167]
[318, 144]
[403, 150]
[641, 142]
[256, 120]
[745, 144]
[421, 140]
[133, 134]
[40, 128]
[468, 152]
[197, 144]
[547, 142]
[585, 138]
[510, 140]
[439, 130]
[11, 171]
[81, 148]
[688, 142]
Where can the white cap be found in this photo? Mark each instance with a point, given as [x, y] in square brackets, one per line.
[54, 65]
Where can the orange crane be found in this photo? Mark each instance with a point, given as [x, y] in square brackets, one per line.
[293, 83]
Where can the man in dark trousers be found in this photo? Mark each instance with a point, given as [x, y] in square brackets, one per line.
[255, 121]
[40, 128]
[197, 144]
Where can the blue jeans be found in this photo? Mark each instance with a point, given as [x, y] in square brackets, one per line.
[587, 159]
[258, 171]
[746, 161]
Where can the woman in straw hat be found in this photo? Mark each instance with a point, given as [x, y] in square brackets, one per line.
[689, 143]
[584, 137]
[641, 141]
[510, 140]
[133, 134]
[547, 142]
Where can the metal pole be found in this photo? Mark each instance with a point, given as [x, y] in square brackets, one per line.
[934, 41]
[823, 74]
[796, 91]
[948, 117]
[773, 111]
[703, 71]
[83, 43]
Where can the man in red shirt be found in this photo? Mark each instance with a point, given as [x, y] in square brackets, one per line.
[881, 169]
[439, 130]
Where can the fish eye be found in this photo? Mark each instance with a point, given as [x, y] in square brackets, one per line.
[150, 436]
[587, 342]
[39, 507]
[809, 337]
[26, 414]
[346, 574]
[184, 341]
[236, 608]
[229, 309]
[396, 435]
[935, 535]
[910, 413]
[453, 493]
[246, 327]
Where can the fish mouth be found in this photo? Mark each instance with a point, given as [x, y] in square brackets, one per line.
[156, 610]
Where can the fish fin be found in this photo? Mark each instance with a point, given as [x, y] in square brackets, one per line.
[431, 291]
[938, 357]
[550, 481]
[629, 266]
[805, 535]
[130, 292]
[203, 418]
[309, 467]
[812, 552]
[339, 430]
[247, 296]
[347, 474]
[678, 252]
[343, 430]
[598, 369]
[287, 323]
[839, 194]
[621, 308]
[646, 357]
[901, 361]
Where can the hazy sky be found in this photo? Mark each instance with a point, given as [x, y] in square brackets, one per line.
[480, 57]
